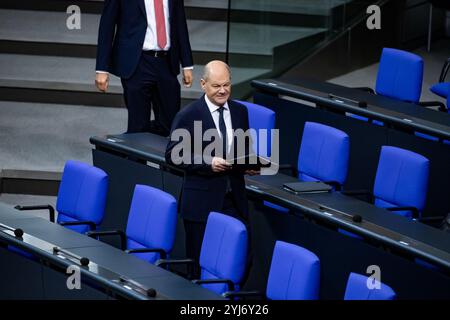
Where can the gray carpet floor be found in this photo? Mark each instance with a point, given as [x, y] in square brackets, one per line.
[37, 136]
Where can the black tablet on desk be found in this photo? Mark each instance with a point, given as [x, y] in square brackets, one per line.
[307, 187]
[250, 162]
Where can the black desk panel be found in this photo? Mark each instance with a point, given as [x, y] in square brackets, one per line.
[316, 230]
[377, 224]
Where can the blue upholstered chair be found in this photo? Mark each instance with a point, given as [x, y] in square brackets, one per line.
[323, 156]
[81, 197]
[260, 117]
[400, 75]
[401, 181]
[294, 275]
[442, 89]
[357, 289]
[223, 254]
[151, 225]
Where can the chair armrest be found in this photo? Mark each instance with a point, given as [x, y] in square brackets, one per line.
[161, 252]
[167, 262]
[415, 211]
[48, 207]
[444, 70]
[91, 224]
[366, 89]
[228, 282]
[353, 193]
[123, 237]
[429, 104]
[293, 170]
[432, 221]
[242, 294]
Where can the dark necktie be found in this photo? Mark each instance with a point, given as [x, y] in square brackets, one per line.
[223, 131]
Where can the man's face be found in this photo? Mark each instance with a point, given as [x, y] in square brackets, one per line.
[217, 87]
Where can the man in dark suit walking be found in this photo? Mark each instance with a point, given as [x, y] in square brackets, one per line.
[210, 183]
[144, 42]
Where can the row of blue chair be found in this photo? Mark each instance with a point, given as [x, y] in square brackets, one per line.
[295, 275]
[401, 180]
[150, 235]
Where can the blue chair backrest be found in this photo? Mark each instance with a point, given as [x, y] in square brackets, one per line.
[358, 288]
[82, 194]
[294, 273]
[401, 179]
[224, 251]
[152, 221]
[324, 153]
[260, 117]
[400, 75]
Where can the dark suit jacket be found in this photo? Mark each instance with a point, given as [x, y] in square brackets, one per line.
[122, 31]
[204, 190]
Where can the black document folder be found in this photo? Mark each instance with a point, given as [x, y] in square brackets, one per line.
[250, 162]
[307, 187]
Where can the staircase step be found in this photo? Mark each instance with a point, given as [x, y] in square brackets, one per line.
[49, 28]
[42, 137]
[73, 77]
[311, 7]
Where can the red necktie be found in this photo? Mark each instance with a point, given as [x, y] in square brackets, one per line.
[160, 24]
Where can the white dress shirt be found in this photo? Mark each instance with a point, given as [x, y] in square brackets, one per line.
[214, 109]
[151, 40]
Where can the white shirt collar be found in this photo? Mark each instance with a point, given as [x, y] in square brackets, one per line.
[212, 107]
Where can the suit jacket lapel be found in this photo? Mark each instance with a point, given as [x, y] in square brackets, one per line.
[234, 124]
[208, 122]
[171, 7]
[142, 6]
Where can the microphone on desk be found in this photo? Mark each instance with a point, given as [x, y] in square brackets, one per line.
[18, 233]
[151, 292]
[362, 104]
[84, 261]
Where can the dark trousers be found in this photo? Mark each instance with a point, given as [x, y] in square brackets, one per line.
[195, 231]
[151, 85]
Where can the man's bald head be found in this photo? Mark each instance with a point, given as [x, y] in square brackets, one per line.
[216, 82]
[215, 68]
